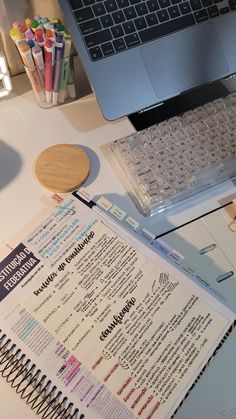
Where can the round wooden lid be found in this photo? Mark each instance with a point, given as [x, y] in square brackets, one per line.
[62, 168]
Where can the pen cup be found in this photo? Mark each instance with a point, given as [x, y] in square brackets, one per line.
[53, 83]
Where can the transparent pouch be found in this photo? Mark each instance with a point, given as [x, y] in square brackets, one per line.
[53, 82]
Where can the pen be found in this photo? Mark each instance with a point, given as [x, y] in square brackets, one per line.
[48, 70]
[57, 68]
[38, 59]
[65, 67]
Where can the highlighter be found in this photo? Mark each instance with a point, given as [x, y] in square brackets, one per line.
[48, 70]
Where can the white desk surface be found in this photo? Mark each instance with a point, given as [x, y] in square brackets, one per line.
[26, 130]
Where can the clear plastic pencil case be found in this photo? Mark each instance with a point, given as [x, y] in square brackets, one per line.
[177, 158]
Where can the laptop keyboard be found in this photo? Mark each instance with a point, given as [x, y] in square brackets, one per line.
[112, 26]
[177, 158]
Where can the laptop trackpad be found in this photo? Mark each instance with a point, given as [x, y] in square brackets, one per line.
[186, 59]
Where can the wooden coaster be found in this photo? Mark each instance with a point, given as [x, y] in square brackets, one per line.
[62, 168]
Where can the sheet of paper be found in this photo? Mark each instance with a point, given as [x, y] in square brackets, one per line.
[119, 331]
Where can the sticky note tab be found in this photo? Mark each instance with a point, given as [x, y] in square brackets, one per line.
[117, 212]
[104, 203]
[132, 223]
[176, 256]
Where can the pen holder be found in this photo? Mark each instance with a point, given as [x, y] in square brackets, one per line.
[54, 82]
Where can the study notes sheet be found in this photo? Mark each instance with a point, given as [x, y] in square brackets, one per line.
[120, 331]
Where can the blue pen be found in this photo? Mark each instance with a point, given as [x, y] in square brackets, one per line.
[57, 68]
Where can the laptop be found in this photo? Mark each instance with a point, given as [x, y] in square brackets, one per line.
[140, 53]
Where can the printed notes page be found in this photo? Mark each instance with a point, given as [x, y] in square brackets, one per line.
[121, 332]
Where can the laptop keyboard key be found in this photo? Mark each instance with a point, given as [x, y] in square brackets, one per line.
[132, 40]
[201, 15]
[97, 38]
[106, 21]
[117, 31]
[140, 23]
[224, 10]
[76, 4]
[164, 3]
[128, 27]
[95, 53]
[213, 11]
[88, 2]
[153, 5]
[118, 16]
[232, 4]
[99, 9]
[107, 49]
[130, 13]
[90, 26]
[168, 27]
[151, 19]
[119, 45]
[185, 8]
[162, 16]
[196, 4]
[207, 3]
[173, 11]
[110, 5]
[84, 14]
[141, 9]
[173, 2]
[122, 3]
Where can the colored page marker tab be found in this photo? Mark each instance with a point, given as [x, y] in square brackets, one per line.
[162, 245]
[178, 258]
[132, 223]
[104, 203]
[117, 212]
[207, 248]
[148, 234]
[224, 276]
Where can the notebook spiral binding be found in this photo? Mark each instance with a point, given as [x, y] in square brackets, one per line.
[31, 385]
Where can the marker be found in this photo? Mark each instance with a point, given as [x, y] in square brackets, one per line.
[48, 70]
[44, 21]
[16, 25]
[50, 35]
[65, 68]
[40, 40]
[55, 21]
[59, 28]
[71, 82]
[57, 68]
[23, 28]
[31, 43]
[38, 59]
[38, 18]
[28, 22]
[31, 71]
[29, 34]
[34, 25]
[16, 35]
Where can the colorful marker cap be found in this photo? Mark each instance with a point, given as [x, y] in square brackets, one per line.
[34, 24]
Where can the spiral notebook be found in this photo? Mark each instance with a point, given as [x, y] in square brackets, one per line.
[96, 325]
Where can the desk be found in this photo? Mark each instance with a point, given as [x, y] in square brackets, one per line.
[26, 130]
